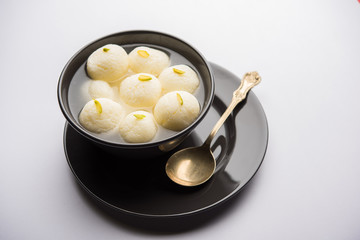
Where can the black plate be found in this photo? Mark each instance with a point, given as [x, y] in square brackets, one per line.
[142, 188]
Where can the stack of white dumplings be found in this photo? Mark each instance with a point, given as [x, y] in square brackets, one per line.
[136, 93]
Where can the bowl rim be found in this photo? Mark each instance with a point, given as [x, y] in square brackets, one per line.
[102, 141]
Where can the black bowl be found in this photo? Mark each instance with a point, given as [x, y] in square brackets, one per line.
[137, 150]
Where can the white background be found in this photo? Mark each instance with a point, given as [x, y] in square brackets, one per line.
[308, 54]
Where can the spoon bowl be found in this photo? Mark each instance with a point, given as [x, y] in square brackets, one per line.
[195, 165]
[191, 166]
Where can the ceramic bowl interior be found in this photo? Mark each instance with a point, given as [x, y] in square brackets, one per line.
[136, 38]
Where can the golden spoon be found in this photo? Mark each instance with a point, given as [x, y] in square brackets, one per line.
[195, 165]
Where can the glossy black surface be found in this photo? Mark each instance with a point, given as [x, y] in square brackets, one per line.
[141, 187]
[152, 148]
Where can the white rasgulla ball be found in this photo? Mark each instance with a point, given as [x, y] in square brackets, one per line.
[109, 116]
[100, 89]
[176, 110]
[138, 127]
[108, 63]
[179, 77]
[140, 90]
[148, 60]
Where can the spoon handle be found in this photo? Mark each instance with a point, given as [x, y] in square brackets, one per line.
[249, 80]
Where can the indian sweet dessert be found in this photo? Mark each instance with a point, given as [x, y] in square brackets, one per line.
[148, 60]
[136, 98]
[107, 63]
[100, 89]
[140, 90]
[137, 127]
[101, 115]
[179, 77]
[176, 110]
